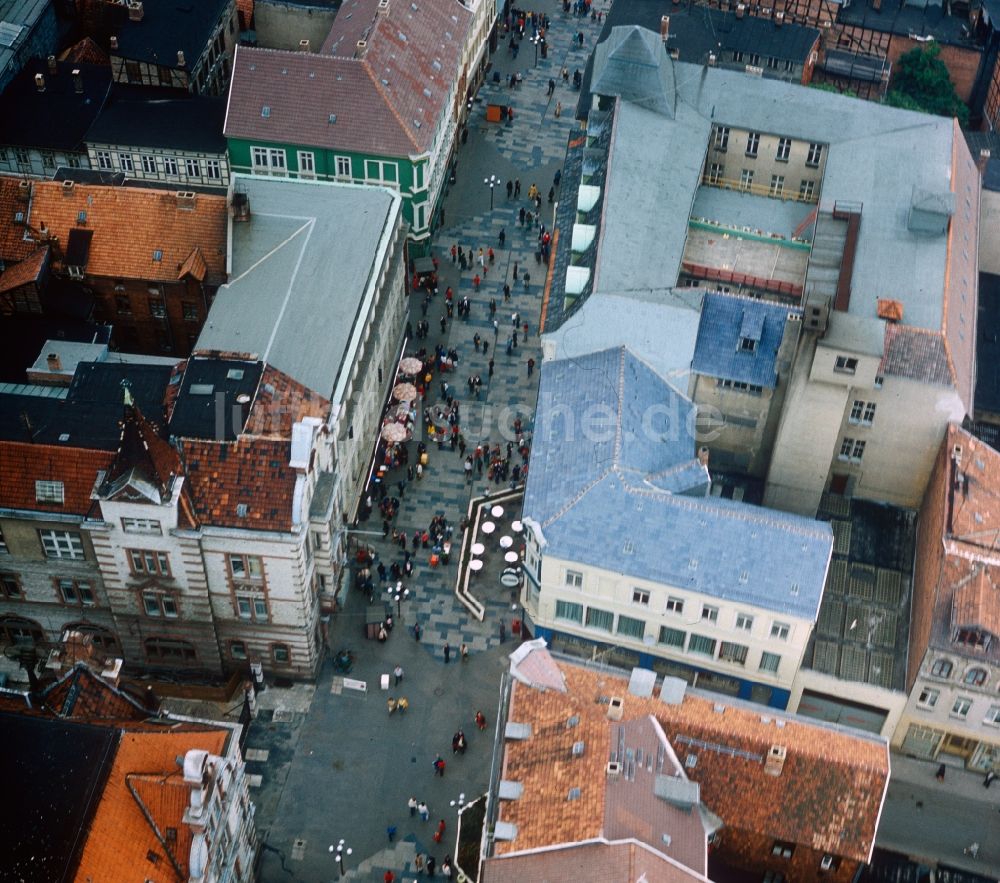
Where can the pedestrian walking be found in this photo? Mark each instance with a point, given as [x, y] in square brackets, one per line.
[527, 278]
[521, 216]
[503, 632]
[475, 281]
[390, 832]
[397, 673]
[425, 813]
[988, 780]
[417, 631]
[531, 366]
[515, 271]
[418, 863]
[502, 236]
[517, 188]
[486, 346]
[439, 766]
[431, 864]
[972, 849]
[939, 775]
[558, 114]
[388, 877]
[444, 322]
[441, 826]
[412, 804]
[480, 720]
[491, 367]
[447, 653]
[510, 188]
[454, 252]
[465, 649]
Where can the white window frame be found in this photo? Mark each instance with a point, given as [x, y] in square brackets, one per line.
[50, 491]
[709, 613]
[777, 187]
[769, 662]
[213, 169]
[722, 138]
[170, 166]
[125, 162]
[148, 162]
[845, 365]
[104, 160]
[142, 525]
[574, 578]
[307, 164]
[72, 592]
[992, 718]
[815, 155]
[342, 166]
[928, 697]
[746, 179]
[753, 140]
[276, 160]
[784, 144]
[640, 597]
[744, 622]
[780, 631]
[960, 708]
[674, 605]
[192, 168]
[62, 544]
[807, 189]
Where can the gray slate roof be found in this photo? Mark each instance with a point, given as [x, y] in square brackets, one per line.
[614, 484]
[725, 320]
[299, 272]
[631, 63]
[875, 156]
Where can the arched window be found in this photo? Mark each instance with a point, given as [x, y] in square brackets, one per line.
[17, 630]
[975, 677]
[942, 668]
[104, 639]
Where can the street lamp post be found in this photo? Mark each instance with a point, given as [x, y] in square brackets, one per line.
[340, 850]
[491, 182]
[459, 803]
[400, 594]
[536, 40]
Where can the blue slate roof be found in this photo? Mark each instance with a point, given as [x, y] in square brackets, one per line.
[614, 483]
[725, 321]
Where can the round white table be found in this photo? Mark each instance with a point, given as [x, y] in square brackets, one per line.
[516, 526]
[477, 548]
[511, 557]
[475, 565]
[497, 511]
[506, 542]
[487, 527]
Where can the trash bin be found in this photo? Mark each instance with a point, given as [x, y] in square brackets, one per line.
[515, 626]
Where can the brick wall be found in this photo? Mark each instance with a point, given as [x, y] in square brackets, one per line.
[750, 851]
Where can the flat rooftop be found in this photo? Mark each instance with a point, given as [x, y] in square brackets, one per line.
[300, 269]
[750, 212]
[863, 628]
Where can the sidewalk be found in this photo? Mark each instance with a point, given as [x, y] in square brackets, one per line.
[933, 821]
[345, 768]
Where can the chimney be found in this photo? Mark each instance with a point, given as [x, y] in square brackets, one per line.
[774, 763]
[303, 45]
[740, 10]
[703, 456]
[383, 7]
[956, 456]
[53, 67]
[664, 27]
[54, 362]
[241, 207]
[77, 81]
[67, 187]
[180, 58]
[39, 82]
[185, 199]
[135, 11]
[779, 19]
[361, 49]
[114, 43]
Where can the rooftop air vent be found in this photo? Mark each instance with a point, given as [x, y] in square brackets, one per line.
[616, 708]
[613, 770]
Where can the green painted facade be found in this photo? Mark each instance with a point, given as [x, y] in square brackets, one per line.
[407, 175]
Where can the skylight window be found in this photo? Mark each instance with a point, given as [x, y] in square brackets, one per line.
[265, 111]
[158, 254]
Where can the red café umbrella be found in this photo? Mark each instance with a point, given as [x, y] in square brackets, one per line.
[404, 392]
[395, 432]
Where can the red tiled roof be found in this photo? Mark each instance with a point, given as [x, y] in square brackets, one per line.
[13, 199]
[245, 10]
[389, 102]
[828, 795]
[80, 694]
[22, 464]
[25, 271]
[250, 471]
[85, 52]
[144, 776]
[976, 602]
[194, 266]
[131, 226]
[142, 449]
[890, 309]
[281, 402]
